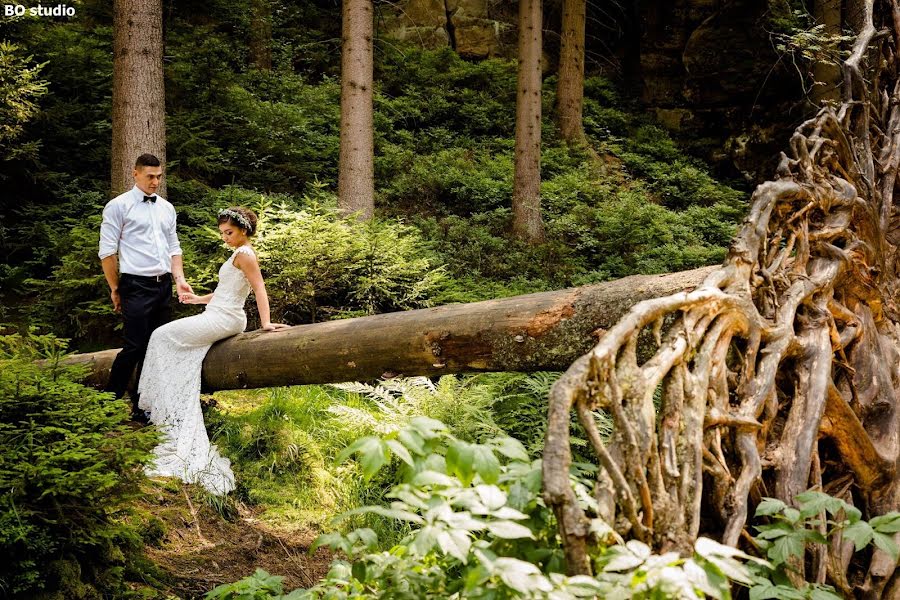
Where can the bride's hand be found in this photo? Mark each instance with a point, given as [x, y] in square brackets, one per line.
[274, 327]
[188, 298]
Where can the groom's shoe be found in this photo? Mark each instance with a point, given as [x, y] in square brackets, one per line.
[138, 415]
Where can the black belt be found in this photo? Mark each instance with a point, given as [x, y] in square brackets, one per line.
[149, 278]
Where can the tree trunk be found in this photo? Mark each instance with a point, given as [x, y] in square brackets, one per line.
[261, 34]
[781, 371]
[827, 73]
[138, 98]
[356, 164]
[570, 87]
[526, 200]
[524, 333]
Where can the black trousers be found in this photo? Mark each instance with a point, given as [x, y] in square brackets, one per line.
[146, 304]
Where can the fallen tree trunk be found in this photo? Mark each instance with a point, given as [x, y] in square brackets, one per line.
[544, 331]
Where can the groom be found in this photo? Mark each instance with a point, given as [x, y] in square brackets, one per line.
[141, 255]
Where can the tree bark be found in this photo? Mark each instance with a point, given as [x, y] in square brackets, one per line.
[526, 200]
[356, 164]
[138, 97]
[570, 86]
[544, 331]
[261, 34]
[827, 74]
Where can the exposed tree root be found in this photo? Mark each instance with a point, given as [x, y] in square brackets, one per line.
[790, 350]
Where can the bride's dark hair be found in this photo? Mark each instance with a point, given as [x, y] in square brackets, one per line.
[241, 217]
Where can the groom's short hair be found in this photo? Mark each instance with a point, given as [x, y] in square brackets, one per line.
[146, 160]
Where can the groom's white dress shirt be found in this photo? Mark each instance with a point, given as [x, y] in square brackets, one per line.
[141, 233]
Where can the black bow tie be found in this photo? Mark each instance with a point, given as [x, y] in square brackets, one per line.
[149, 198]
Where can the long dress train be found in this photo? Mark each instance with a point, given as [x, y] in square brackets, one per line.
[170, 384]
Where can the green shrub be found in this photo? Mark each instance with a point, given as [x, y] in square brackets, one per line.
[69, 466]
[318, 265]
[426, 91]
[74, 300]
[259, 586]
[455, 181]
[792, 530]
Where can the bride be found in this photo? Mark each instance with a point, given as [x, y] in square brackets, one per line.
[169, 388]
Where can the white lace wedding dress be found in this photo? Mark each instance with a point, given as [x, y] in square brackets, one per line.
[170, 384]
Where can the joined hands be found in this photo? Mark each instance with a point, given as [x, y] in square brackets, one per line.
[189, 298]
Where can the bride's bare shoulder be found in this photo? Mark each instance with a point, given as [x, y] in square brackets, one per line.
[244, 256]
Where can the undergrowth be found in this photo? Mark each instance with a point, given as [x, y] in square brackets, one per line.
[284, 441]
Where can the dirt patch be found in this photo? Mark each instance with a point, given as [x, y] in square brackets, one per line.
[199, 548]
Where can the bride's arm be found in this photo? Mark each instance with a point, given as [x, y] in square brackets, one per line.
[249, 265]
[188, 298]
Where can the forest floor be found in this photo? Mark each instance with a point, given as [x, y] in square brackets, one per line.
[197, 548]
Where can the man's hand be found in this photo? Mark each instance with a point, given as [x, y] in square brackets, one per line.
[116, 300]
[183, 287]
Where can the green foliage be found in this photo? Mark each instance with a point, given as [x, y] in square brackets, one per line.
[69, 466]
[74, 122]
[478, 528]
[258, 586]
[631, 570]
[20, 88]
[816, 519]
[74, 299]
[318, 265]
[678, 182]
[436, 91]
[803, 43]
[456, 181]
[282, 135]
[628, 235]
[284, 442]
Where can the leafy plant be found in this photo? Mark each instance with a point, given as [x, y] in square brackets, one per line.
[283, 442]
[792, 530]
[258, 586]
[480, 529]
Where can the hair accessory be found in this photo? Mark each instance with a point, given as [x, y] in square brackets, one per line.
[237, 217]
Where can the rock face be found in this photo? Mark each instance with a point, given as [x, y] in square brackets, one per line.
[422, 22]
[708, 67]
[465, 25]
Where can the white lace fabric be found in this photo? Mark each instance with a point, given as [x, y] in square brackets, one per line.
[170, 384]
